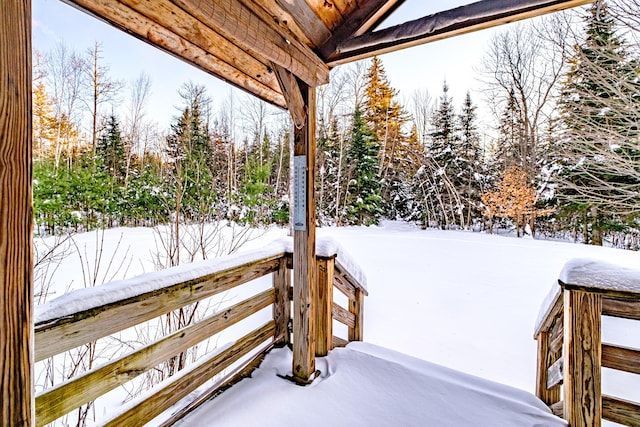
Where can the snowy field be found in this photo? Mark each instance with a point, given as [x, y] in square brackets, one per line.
[468, 301]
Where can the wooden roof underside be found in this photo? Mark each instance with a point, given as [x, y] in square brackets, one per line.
[260, 45]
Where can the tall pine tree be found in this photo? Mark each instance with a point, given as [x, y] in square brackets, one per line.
[364, 202]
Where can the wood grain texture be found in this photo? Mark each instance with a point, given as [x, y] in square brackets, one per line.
[309, 22]
[624, 308]
[621, 358]
[356, 307]
[304, 249]
[343, 315]
[339, 342]
[621, 411]
[343, 285]
[328, 12]
[58, 335]
[284, 19]
[177, 387]
[582, 358]
[73, 393]
[324, 306]
[291, 92]
[16, 262]
[544, 360]
[344, 273]
[134, 23]
[242, 26]
[282, 304]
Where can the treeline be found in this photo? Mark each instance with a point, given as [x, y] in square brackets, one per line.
[561, 160]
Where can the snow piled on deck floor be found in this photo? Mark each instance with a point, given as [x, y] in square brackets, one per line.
[367, 385]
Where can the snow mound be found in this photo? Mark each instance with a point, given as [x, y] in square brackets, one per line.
[366, 385]
[597, 274]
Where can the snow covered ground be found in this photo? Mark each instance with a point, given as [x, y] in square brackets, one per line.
[464, 300]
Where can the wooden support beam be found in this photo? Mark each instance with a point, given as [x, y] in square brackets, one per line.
[282, 305]
[241, 25]
[461, 20]
[16, 261]
[292, 94]
[324, 306]
[304, 241]
[582, 358]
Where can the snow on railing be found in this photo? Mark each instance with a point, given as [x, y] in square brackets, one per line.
[85, 315]
[570, 349]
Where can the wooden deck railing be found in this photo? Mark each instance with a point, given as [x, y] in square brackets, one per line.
[90, 314]
[570, 349]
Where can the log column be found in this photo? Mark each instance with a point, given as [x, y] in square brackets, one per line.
[304, 239]
[16, 264]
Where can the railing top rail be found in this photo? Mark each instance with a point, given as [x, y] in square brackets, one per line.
[599, 276]
[111, 293]
[593, 276]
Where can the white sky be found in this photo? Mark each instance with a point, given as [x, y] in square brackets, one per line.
[417, 68]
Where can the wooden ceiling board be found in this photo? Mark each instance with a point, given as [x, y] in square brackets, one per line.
[327, 11]
[307, 19]
[284, 20]
[140, 26]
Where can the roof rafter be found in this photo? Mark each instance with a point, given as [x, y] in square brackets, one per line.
[240, 24]
[464, 19]
[352, 24]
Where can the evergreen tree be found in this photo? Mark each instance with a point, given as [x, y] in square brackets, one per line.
[599, 181]
[399, 155]
[471, 173]
[364, 203]
[111, 151]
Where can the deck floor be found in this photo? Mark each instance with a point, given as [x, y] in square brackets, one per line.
[367, 385]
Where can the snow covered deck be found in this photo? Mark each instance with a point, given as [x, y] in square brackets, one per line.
[367, 385]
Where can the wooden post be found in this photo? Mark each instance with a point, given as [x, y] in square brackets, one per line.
[282, 305]
[16, 264]
[545, 356]
[356, 306]
[582, 358]
[304, 240]
[324, 305]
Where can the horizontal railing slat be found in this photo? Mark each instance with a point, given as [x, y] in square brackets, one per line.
[621, 358]
[180, 385]
[342, 284]
[65, 333]
[344, 272]
[621, 411]
[67, 396]
[339, 342]
[627, 309]
[343, 316]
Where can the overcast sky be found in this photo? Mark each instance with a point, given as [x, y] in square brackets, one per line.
[412, 69]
